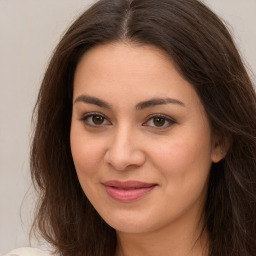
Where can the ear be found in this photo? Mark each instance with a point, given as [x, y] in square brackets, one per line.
[220, 147]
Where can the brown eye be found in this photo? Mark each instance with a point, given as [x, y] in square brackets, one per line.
[95, 120]
[159, 122]
[98, 120]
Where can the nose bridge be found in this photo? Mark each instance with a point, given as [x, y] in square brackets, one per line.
[123, 137]
[124, 150]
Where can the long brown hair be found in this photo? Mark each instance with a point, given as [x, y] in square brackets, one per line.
[205, 55]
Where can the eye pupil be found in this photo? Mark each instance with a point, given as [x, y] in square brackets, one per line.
[158, 121]
[98, 119]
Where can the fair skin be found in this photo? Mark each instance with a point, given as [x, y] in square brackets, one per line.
[119, 134]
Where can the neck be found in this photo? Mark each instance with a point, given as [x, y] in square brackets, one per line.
[178, 239]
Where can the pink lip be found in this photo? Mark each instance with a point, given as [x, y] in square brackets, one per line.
[127, 191]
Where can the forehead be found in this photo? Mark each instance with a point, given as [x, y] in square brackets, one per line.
[127, 70]
[129, 57]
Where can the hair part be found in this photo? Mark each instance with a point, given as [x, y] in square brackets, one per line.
[205, 55]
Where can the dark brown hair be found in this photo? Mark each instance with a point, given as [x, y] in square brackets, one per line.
[205, 55]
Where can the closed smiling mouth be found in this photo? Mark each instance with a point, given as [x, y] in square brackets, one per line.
[127, 191]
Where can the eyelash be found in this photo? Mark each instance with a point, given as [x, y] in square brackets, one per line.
[93, 114]
[167, 120]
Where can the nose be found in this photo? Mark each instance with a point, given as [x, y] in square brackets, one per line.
[125, 150]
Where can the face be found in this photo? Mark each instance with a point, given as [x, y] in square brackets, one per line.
[140, 138]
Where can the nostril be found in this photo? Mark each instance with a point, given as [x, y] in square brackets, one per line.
[124, 159]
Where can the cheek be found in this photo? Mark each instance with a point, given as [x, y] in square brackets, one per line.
[87, 159]
[184, 168]
[87, 153]
[184, 160]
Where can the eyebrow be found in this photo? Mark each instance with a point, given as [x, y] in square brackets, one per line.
[92, 100]
[140, 106]
[158, 101]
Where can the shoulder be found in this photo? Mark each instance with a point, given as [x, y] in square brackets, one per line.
[28, 251]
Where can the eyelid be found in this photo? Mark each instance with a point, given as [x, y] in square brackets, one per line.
[169, 119]
[90, 114]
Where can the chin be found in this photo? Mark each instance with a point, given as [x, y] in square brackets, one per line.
[132, 228]
[131, 223]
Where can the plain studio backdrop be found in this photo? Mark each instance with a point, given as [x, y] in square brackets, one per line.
[29, 31]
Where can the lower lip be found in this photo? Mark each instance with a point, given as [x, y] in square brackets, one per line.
[127, 195]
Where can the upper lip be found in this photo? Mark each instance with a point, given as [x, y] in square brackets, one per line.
[128, 184]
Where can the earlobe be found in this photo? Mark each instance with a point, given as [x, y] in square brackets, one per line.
[217, 154]
[219, 150]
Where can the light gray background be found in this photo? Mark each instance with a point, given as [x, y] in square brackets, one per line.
[29, 30]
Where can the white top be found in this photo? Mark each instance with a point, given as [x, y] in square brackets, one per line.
[28, 251]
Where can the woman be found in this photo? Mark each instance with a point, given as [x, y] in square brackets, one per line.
[145, 136]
